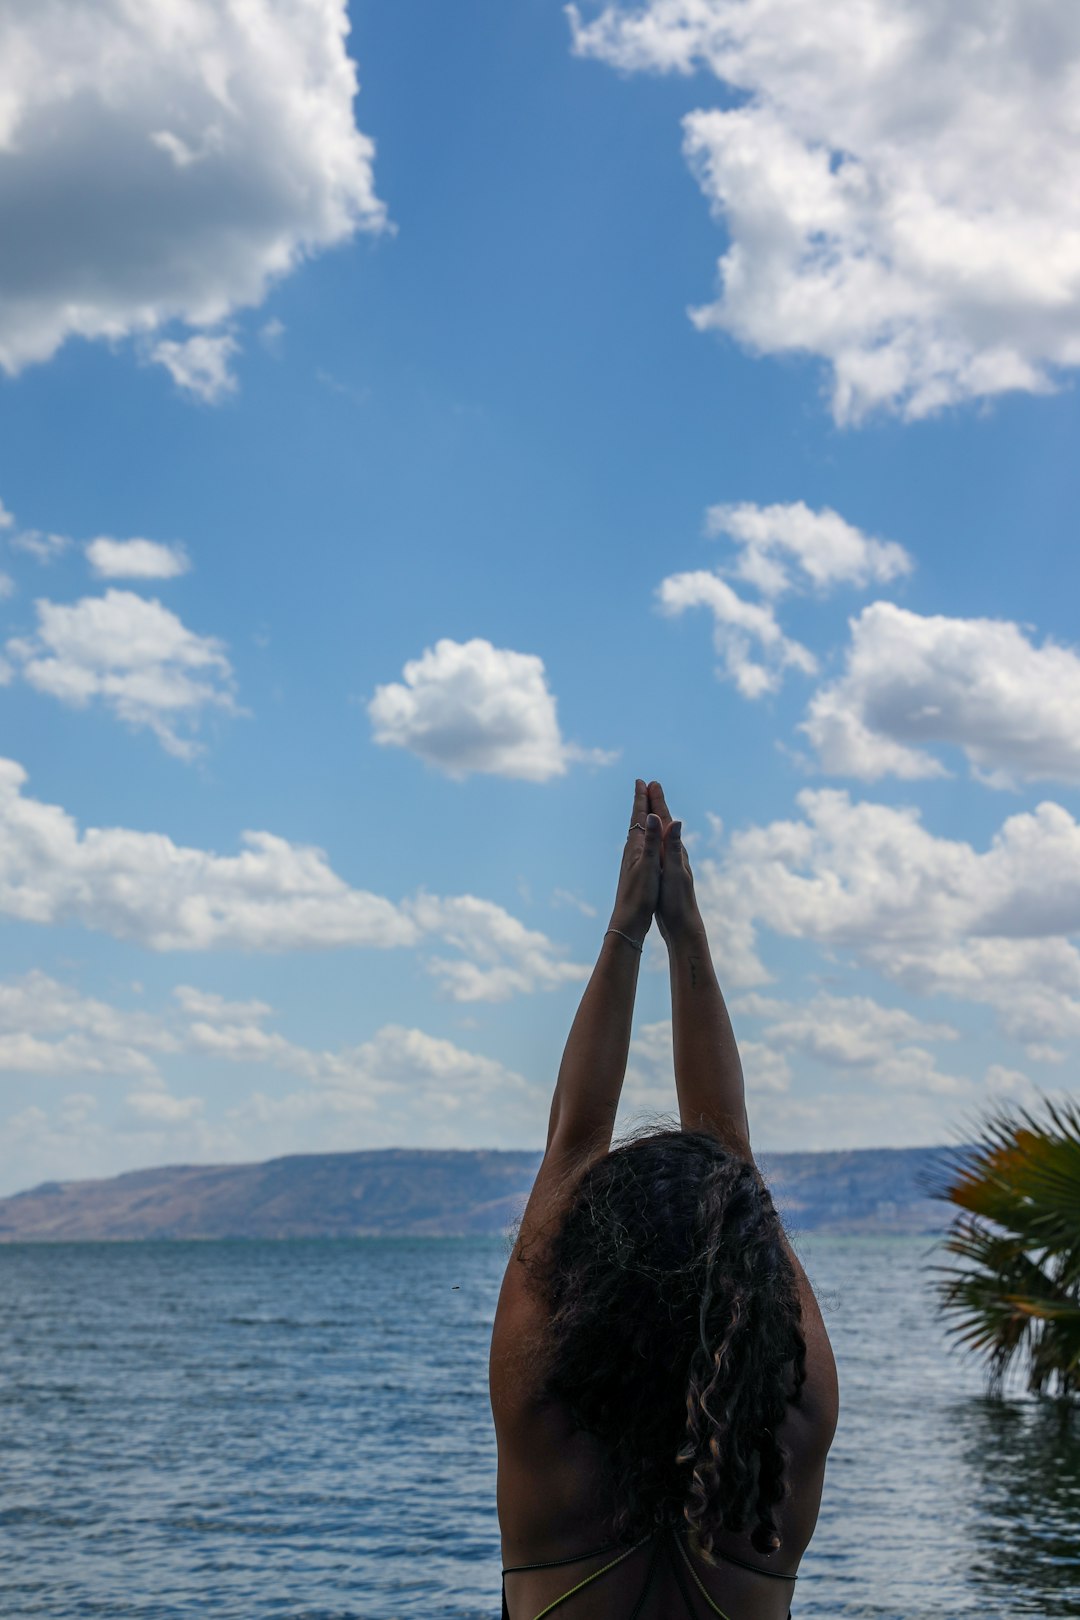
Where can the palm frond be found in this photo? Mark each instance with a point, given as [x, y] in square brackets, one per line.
[1017, 1236]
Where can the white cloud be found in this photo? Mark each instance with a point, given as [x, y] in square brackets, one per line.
[1032, 985]
[900, 184]
[141, 886]
[500, 956]
[822, 547]
[271, 333]
[132, 655]
[864, 873]
[979, 684]
[400, 1082]
[135, 559]
[44, 548]
[155, 1103]
[400, 1086]
[7, 586]
[200, 365]
[167, 162]
[470, 706]
[6, 518]
[273, 896]
[650, 1072]
[933, 914]
[48, 1029]
[207, 1004]
[566, 897]
[738, 626]
[840, 1031]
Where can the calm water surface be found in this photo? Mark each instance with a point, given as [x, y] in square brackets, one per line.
[250, 1430]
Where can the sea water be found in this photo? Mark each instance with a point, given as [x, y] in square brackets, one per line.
[240, 1431]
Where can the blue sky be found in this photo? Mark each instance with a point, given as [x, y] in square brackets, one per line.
[443, 403]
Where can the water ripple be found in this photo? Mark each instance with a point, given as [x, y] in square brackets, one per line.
[251, 1430]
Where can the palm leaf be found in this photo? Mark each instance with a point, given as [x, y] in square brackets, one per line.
[1017, 1234]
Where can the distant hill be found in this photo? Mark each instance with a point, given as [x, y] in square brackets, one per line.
[408, 1192]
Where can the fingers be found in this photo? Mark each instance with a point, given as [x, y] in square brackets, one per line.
[674, 856]
[654, 836]
[658, 803]
[641, 808]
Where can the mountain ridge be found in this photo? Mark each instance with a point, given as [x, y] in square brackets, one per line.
[433, 1192]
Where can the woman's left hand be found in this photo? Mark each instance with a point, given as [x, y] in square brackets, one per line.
[639, 875]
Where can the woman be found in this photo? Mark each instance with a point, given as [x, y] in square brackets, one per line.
[663, 1387]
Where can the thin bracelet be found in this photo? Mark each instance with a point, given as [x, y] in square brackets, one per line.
[627, 938]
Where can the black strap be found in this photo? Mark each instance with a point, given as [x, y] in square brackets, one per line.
[680, 1581]
[654, 1563]
[775, 1574]
[554, 1563]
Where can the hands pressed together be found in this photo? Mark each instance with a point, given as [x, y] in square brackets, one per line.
[655, 877]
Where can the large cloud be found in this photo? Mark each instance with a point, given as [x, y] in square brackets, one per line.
[470, 706]
[977, 683]
[132, 655]
[47, 1028]
[401, 1085]
[848, 1032]
[935, 914]
[164, 162]
[900, 183]
[273, 896]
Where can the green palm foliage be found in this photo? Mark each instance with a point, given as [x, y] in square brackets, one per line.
[1016, 1295]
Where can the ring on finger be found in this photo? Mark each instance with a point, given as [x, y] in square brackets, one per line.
[635, 826]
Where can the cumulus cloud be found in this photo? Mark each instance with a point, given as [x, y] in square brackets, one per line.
[469, 706]
[135, 559]
[500, 956]
[132, 655]
[49, 1029]
[864, 873]
[900, 185]
[200, 365]
[649, 1087]
[978, 684]
[7, 586]
[848, 1032]
[746, 635]
[1032, 985]
[784, 547]
[400, 1082]
[931, 913]
[167, 162]
[273, 896]
[141, 886]
[400, 1085]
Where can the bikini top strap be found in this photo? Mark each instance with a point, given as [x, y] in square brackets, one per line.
[595, 1576]
[773, 1574]
[555, 1563]
[677, 1572]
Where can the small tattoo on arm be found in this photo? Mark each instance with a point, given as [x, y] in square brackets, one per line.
[692, 960]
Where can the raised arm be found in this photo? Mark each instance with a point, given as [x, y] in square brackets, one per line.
[709, 1081]
[708, 1072]
[583, 1108]
[594, 1061]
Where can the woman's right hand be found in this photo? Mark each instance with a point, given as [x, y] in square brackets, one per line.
[677, 911]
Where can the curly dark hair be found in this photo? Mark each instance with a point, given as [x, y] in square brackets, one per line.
[675, 1334]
